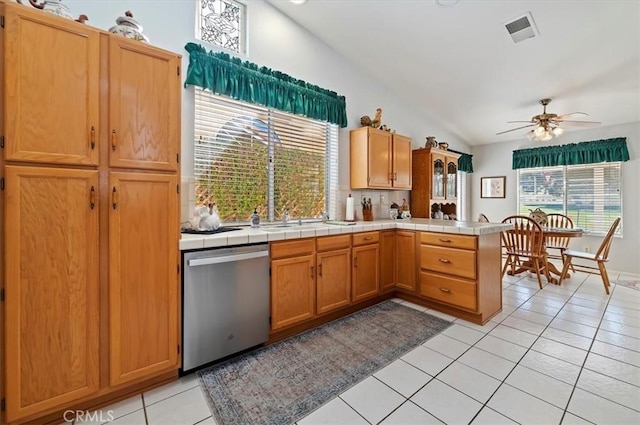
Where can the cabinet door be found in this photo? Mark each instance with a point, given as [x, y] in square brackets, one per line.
[333, 279]
[144, 108]
[437, 176]
[292, 290]
[406, 260]
[452, 175]
[380, 159]
[51, 88]
[51, 288]
[143, 276]
[401, 162]
[387, 260]
[365, 275]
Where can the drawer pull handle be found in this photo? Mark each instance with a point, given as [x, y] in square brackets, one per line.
[368, 238]
[445, 240]
[446, 290]
[443, 260]
[113, 140]
[319, 269]
[114, 198]
[92, 139]
[92, 197]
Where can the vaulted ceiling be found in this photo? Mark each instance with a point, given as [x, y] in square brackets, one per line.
[461, 67]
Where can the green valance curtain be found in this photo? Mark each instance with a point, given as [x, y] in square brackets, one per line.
[607, 150]
[246, 81]
[464, 162]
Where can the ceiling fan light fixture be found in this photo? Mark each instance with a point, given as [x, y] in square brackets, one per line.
[557, 131]
[539, 131]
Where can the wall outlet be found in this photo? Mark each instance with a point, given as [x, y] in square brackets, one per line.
[383, 200]
[586, 248]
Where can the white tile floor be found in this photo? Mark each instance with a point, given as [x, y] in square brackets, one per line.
[565, 354]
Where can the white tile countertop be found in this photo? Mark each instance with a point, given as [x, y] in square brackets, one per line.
[269, 233]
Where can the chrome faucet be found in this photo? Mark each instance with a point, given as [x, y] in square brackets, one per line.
[285, 217]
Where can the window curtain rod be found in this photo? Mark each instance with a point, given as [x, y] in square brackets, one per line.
[464, 162]
[248, 82]
[592, 152]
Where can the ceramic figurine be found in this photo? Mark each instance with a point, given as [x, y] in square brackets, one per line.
[128, 27]
[53, 6]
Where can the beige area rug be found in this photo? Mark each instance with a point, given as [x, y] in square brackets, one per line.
[633, 284]
[284, 382]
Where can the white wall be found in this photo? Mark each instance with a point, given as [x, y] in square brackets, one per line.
[495, 160]
[277, 42]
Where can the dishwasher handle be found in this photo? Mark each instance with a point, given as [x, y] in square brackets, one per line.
[227, 258]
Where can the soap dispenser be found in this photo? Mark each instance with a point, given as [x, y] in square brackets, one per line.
[255, 219]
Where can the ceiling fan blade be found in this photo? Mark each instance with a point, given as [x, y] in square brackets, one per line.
[563, 116]
[513, 122]
[578, 123]
[517, 128]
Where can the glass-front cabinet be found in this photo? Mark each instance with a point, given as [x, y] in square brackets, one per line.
[435, 179]
[451, 180]
[437, 192]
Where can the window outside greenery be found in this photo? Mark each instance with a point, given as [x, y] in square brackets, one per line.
[590, 194]
[249, 157]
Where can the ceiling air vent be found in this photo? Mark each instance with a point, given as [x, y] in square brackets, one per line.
[521, 28]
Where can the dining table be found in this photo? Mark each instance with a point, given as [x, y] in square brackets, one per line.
[549, 267]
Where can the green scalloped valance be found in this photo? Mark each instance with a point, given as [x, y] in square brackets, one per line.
[464, 162]
[246, 81]
[608, 150]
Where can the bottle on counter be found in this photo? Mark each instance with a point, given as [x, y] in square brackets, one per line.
[255, 219]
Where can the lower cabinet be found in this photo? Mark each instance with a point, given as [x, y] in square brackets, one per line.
[387, 260]
[365, 278]
[143, 278]
[292, 282]
[51, 339]
[333, 276]
[405, 260]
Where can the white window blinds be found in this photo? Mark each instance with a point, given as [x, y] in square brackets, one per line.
[247, 156]
[589, 194]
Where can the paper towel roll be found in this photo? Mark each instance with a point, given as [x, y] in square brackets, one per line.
[349, 215]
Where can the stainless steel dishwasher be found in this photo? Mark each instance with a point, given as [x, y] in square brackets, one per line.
[225, 302]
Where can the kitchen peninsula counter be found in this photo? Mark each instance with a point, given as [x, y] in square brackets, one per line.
[269, 233]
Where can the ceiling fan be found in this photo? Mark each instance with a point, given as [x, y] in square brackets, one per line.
[546, 126]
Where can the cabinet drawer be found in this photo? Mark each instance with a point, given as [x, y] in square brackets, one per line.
[450, 290]
[292, 248]
[333, 242]
[457, 262]
[447, 239]
[365, 238]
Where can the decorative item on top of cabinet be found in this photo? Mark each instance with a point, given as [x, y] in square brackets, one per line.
[379, 159]
[129, 27]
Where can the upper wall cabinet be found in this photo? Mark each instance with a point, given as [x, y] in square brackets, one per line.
[380, 159]
[144, 109]
[51, 89]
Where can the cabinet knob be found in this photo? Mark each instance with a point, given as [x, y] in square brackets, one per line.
[92, 197]
[92, 138]
[114, 198]
[113, 140]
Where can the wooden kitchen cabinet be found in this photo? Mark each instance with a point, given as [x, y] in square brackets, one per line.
[405, 260]
[143, 279]
[144, 123]
[333, 277]
[379, 159]
[434, 182]
[461, 273]
[91, 292]
[365, 278]
[292, 282]
[51, 287]
[387, 260]
[51, 89]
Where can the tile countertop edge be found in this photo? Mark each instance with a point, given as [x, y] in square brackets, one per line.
[191, 242]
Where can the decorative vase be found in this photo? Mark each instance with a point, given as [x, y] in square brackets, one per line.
[128, 27]
[54, 7]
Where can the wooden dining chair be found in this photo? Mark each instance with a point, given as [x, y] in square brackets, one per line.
[483, 218]
[559, 243]
[523, 246]
[600, 258]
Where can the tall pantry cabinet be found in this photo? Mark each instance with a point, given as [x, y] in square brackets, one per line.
[89, 133]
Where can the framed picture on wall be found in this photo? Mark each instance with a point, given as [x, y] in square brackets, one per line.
[492, 187]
